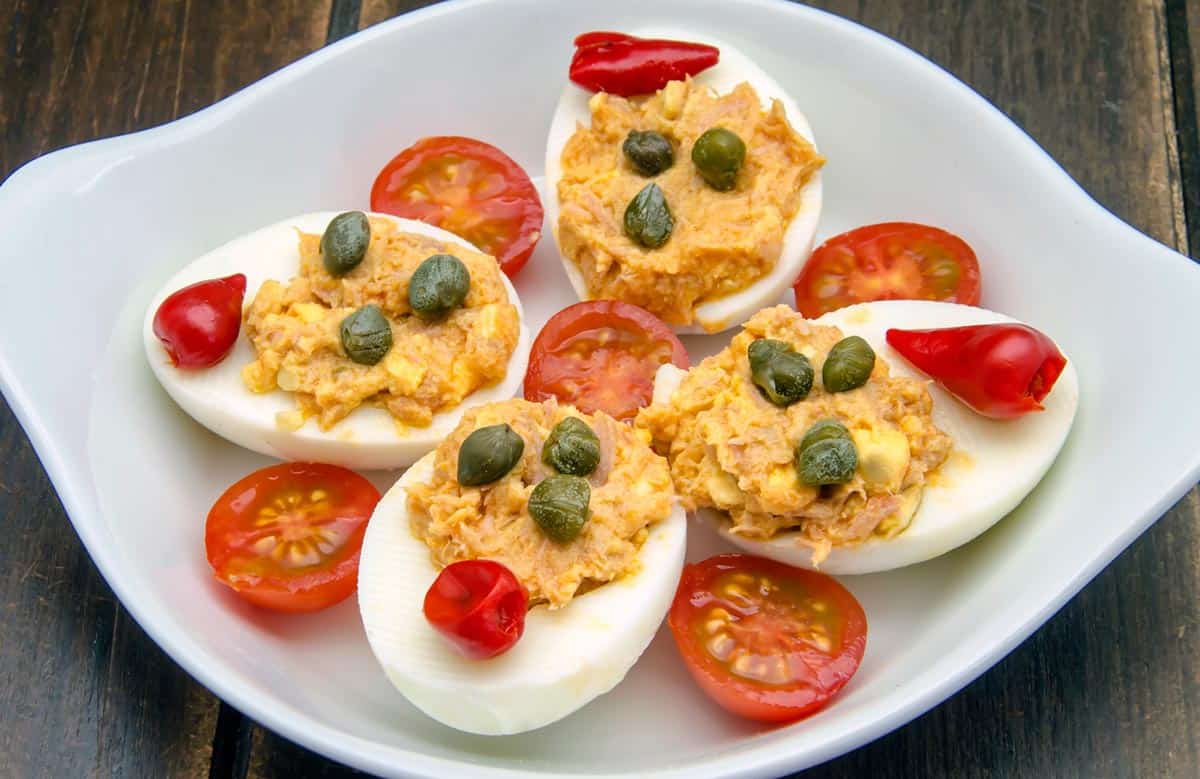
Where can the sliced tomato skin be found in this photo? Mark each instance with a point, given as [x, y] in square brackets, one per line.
[610, 377]
[479, 606]
[231, 533]
[502, 216]
[888, 261]
[830, 671]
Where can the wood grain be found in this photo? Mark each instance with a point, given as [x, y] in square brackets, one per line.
[1183, 25]
[83, 691]
[1108, 687]
[375, 11]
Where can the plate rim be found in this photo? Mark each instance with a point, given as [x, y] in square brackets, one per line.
[746, 759]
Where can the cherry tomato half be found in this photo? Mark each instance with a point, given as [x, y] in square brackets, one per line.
[468, 187]
[479, 605]
[889, 261]
[198, 325]
[287, 537]
[601, 355]
[765, 640]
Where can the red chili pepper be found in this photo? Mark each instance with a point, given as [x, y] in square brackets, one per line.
[198, 325]
[600, 36]
[624, 65]
[479, 606]
[1000, 370]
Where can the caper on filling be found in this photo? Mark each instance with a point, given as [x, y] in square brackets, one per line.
[344, 242]
[488, 454]
[559, 506]
[718, 155]
[848, 365]
[823, 429]
[648, 219]
[383, 317]
[781, 373]
[559, 503]
[826, 455]
[491, 495]
[439, 285]
[649, 153]
[572, 448]
[366, 335]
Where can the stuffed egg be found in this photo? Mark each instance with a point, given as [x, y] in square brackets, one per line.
[698, 203]
[598, 586]
[926, 472]
[347, 364]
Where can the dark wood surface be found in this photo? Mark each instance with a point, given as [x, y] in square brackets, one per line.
[1109, 687]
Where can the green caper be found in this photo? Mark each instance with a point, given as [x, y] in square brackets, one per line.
[718, 155]
[572, 448]
[831, 461]
[344, 242]
[366, 335]
[848, 365]
[648, 219]
[559, 505]
[823, 430]
[783, 374]
[648, 152]
[438, 286]
[487, 454]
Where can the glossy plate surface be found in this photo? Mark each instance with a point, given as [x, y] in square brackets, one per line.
[106, 224]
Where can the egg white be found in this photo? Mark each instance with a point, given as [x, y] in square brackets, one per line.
[564, 659]
[217, 398]
[732, 69]
[994, 464]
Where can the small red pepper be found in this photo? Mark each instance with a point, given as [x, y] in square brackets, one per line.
[198, 325]
[624, 65]
[1000, 370]
[600, 36]
[479, 605]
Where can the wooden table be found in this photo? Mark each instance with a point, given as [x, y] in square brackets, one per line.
[1109, 687]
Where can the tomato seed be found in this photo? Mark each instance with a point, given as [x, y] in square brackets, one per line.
[721, 646]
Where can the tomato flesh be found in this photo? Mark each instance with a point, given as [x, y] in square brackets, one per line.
[766, 641]
[198, 325]
[889, 261]
[287, 537]
[479, 605]
[601, 355]
[468, 187]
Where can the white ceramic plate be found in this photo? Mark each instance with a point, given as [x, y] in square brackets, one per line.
[91, 231]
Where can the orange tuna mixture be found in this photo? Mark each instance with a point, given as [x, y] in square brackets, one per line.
[732, 450]
[722, 241]
[432, 365]
[631, 490]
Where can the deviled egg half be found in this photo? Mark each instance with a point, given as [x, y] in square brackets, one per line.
[698, 203]
[599, 556]
[931, 474]
[333, 364]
